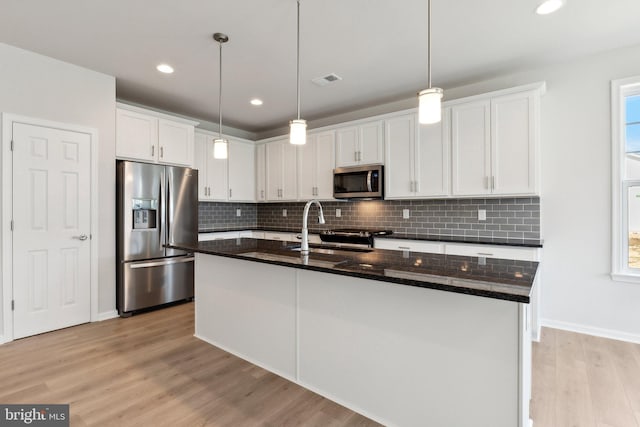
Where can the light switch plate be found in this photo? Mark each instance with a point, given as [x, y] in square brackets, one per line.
[405, 213]
[284, 212]
[238, 212]
[338, 213]
[482, 214]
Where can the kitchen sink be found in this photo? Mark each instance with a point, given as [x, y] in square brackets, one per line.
[293, 259]
[332, 250]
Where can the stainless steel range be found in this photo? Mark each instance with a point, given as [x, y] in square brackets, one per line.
[352, 237]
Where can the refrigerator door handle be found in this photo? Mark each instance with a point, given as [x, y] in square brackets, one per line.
[163, 262]
[169, 206]
[161, 221]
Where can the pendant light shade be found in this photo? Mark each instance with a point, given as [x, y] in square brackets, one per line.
[220, 145]
[429, 100]
[429, 106]
[298, 127]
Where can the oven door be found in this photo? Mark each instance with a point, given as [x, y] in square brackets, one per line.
[358, 182]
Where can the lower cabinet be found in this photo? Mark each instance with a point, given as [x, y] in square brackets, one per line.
[409, 245]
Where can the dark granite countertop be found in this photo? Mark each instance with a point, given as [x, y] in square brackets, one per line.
[487, 277]
[528, 243]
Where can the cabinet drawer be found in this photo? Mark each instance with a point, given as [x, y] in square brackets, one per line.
[203, 237]
[489, 251]
[409, 245]
[271, 235]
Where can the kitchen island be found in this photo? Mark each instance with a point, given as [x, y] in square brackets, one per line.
[405, 338]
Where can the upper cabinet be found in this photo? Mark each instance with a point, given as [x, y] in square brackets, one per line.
[360, 144]
[495, 145]
[153, 137]
[231, 179]
[261, 178]
[281, 171]
[416, 157]
[316, 161]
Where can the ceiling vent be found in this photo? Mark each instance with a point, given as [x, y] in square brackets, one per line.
[325, 80]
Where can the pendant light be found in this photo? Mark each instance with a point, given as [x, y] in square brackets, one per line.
[220, 145]
[429, 100]
[298, 127]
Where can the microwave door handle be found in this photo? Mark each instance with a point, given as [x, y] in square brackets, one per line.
[369, 174]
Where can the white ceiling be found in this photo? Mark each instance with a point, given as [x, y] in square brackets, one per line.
[377, 46]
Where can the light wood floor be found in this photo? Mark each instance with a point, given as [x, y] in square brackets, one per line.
[581, 380]
[149, 370]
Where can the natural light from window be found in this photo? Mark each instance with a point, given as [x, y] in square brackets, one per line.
[632, 173]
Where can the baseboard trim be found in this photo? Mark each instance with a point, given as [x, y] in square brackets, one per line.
[590, 330]
[2, 341]
[106, 315]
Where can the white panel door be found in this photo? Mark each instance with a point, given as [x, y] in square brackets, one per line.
[371, 143]
[274, 170]
[216, 175]
[325, 163]
[307, 155]
[242, 182]
[290, 172]
[200, 163]
[513, 144]
[400, 135]
[432, 157]
[347, 146]
[471, 168]
[51, 246]
[261, 179]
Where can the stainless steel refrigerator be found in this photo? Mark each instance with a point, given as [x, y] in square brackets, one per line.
[156, 205]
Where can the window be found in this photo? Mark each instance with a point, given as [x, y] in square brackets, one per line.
[625, 126]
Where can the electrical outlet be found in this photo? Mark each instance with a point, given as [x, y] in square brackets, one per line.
[405, 213]
[238, 212]
[338, 213]
[482, 214]
[284, 212]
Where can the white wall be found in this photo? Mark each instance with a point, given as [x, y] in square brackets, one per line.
[37, 86]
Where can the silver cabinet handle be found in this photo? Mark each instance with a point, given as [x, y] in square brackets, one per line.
[484, 254]
[153, 150]
[411, 190]
[355, 156]
[493, 182]
[262, 194]
[81, 237]
[486, 182]
[230, 193]
[161, 152]
[406, 248]
[359, 156]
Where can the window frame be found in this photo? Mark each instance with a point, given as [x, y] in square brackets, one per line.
[620, 270]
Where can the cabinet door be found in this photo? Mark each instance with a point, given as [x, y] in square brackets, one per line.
[136, 136]
[290, 172]
[347, 146]
[325, 163]
[274, 167]
[432, 157]
[400, 135]
[513, 144]
[175, 143]
[307, 155]
[200, 163]
[371, 143]
[471, 174]
[216, 175]
[261, 179]
[241, 172]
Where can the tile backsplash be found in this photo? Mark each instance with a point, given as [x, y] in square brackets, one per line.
[506, 218]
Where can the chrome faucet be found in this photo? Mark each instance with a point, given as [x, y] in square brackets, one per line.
[304, 246]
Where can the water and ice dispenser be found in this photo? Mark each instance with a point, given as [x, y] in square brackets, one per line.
[145, 214]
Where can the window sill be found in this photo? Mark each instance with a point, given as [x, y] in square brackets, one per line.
[626, 277]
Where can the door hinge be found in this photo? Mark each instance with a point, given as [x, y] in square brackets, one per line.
[11, 225]
[13, 305]
[12, 145]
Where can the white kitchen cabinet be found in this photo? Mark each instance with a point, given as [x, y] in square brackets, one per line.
[316, 161]
[409, 245]
[261, 179]
[218, 235]
[241, 171]
[360, 144]
[492, 251]
[416, 157]
[281, 171]
[148, 136]
[494, 145]
[230, 179]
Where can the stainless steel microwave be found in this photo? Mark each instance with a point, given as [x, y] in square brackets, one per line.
[358, 182]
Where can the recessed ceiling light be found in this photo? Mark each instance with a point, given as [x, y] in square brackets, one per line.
[165, 68]
[256, 101]
[549, 6]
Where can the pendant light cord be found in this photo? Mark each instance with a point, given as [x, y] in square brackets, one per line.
[220, 92]
[429, 42]
[298, 61]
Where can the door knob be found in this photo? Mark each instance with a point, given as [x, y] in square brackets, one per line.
[81, 237]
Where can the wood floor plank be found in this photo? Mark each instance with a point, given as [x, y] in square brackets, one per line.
[543, 388]
[150, 370]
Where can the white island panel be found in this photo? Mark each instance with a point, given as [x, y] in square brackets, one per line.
[409, 356]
